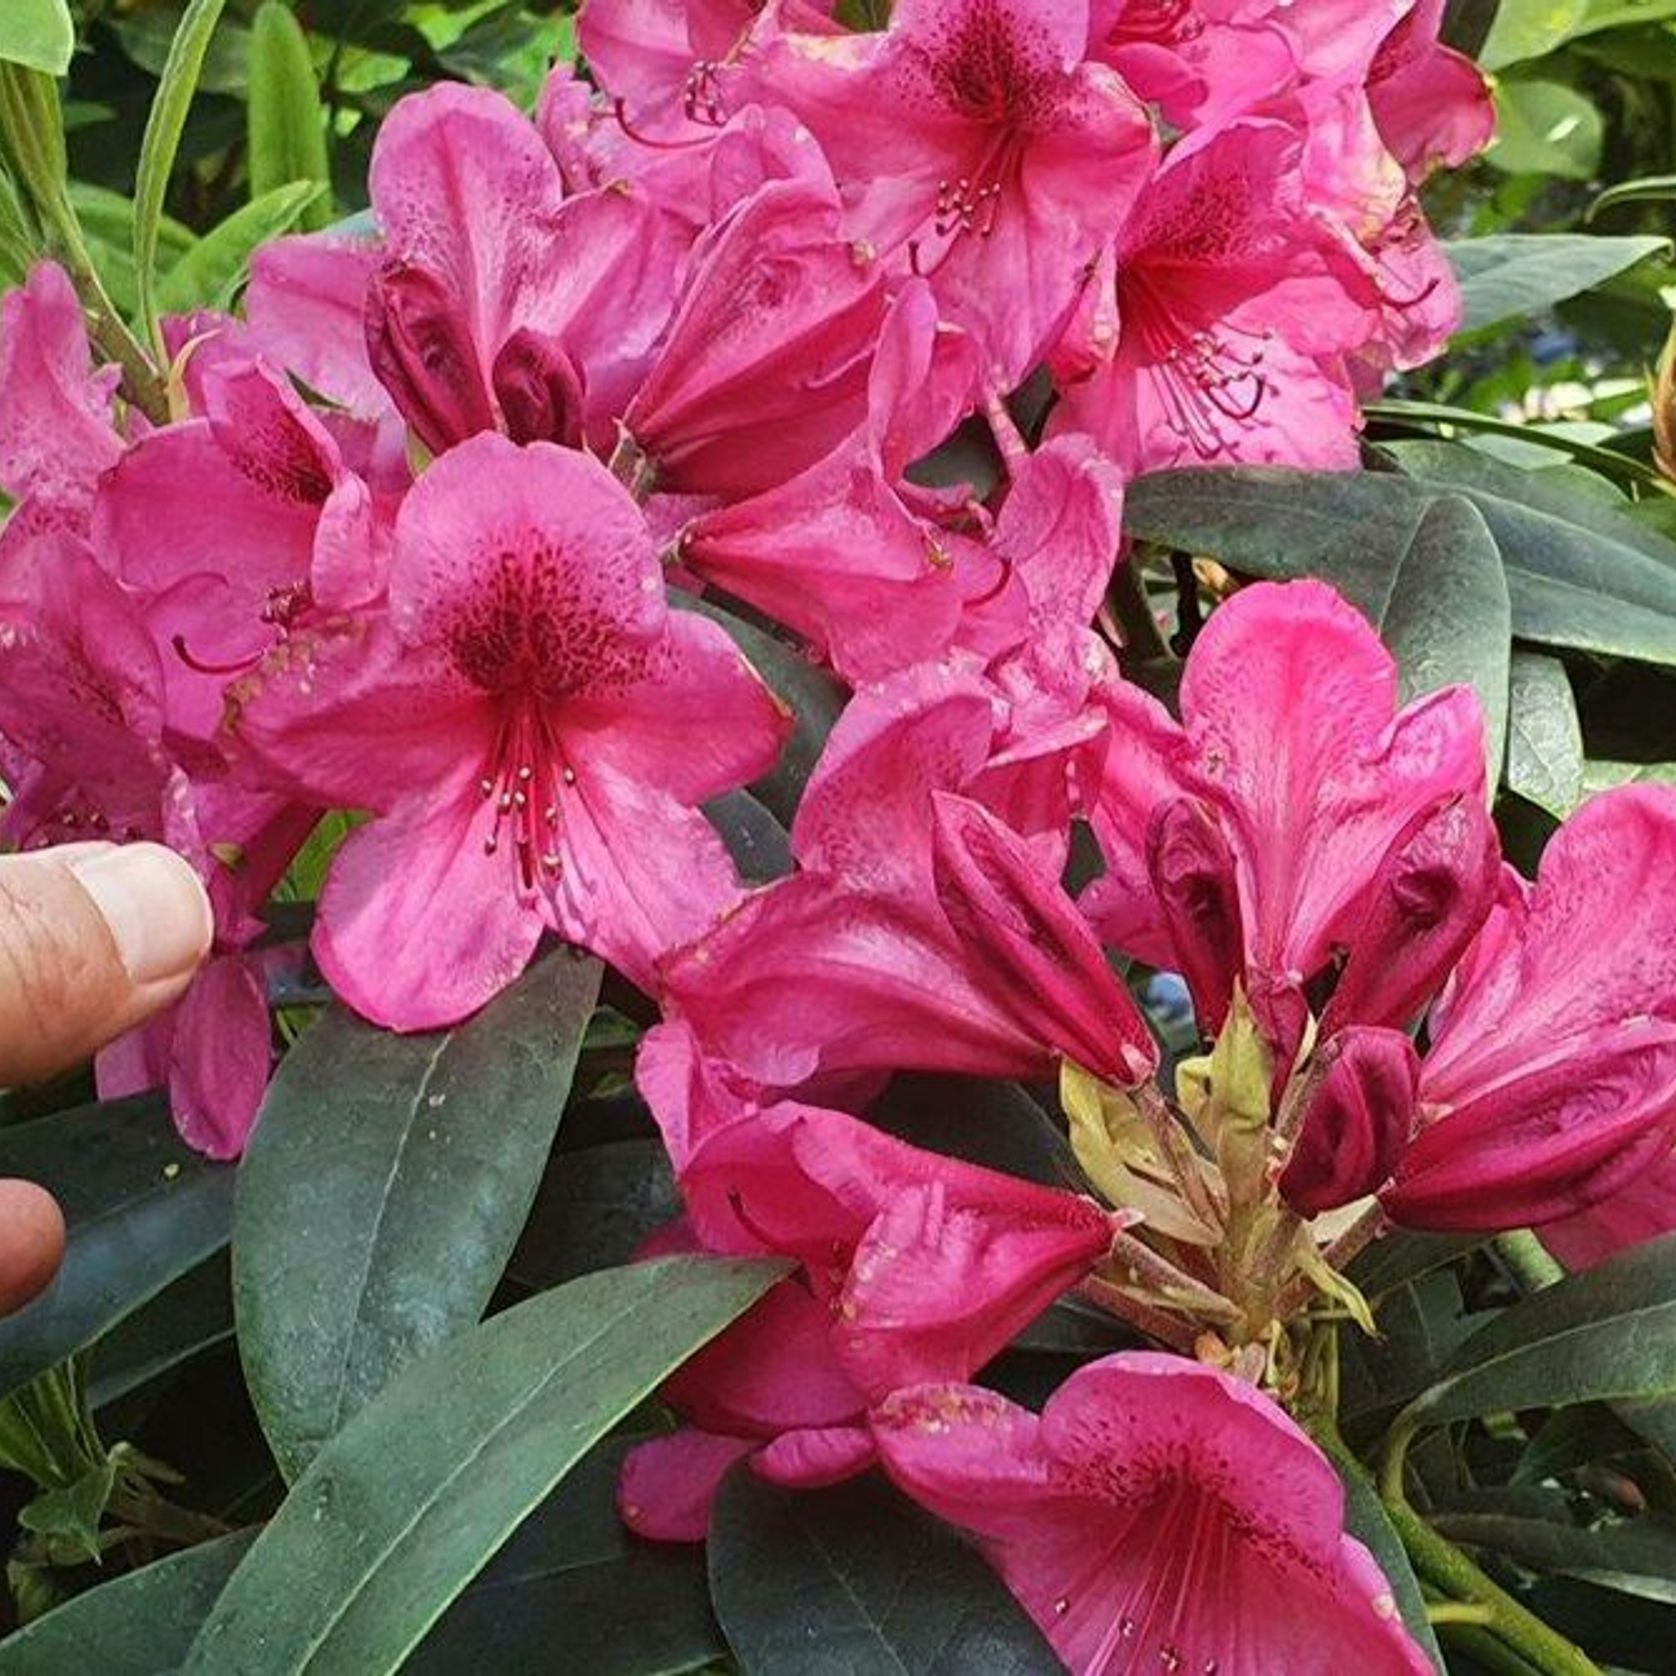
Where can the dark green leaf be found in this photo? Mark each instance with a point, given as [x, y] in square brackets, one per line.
[1596, 1337]
[384, 1189]
[1636, 1556]
[142, 1209]
[189, 1316]
[626, 1607]
[1579, 573]
[287, 120]
[996, 1124]
[1544, 735]
[858, 1579]
[1366, 1520]
[1512, 276]
[754, 838]
[38, 34]
[398, 1513]
[593, 1209]
[140, 1624]
[1399, 1257]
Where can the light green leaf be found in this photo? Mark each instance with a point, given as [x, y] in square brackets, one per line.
[384, 1189]
[1544, 736]
[209, 274]
[286, 117]
[38, 34]
[1528, 28]
[405, 1505]
[1512, 276]
[1546, 128]
[163, 129]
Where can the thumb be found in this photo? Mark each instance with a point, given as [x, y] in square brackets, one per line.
[94, 939]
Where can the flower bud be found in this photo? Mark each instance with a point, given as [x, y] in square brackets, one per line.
[1192, 871]
[1357, 1122]
[1036, 952]
[1430, 896]
[420, 349]
[539, 389]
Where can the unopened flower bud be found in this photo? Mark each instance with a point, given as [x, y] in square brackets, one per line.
[1192, 871]
[1430, 896]
[1358, 1120]
[417, 343]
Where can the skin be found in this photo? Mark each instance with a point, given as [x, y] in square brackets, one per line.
[94, 940]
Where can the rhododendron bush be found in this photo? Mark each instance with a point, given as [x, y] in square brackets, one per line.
[939, 945]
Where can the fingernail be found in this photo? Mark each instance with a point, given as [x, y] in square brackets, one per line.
[155, 905]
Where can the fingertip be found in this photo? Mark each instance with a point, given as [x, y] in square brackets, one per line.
[31, 1242]
[155, 906]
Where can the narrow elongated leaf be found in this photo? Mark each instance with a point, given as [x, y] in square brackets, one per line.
[1544, 736]
[38, 34]
[141, 1208]
[626, 1607]
[189, 1316]
[858, 1579]
[1637, 1556]
[1511, 276]
[406, 1504]
[214, 268]
[384, 1189]
[163, 129]
[1596, 1337]
[135, 1625]
[1366, 1520]
[285, 114]
[1579, 573]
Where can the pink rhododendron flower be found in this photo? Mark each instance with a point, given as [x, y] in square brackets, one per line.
[57, 431]
[500, 304]
[1201, 62]
[533, 729]
[857, 964]
[84, 706]
[1550, 1083]
[1642, 1209]
[913, 1266]
[1158, 1515]
[978, 143]
[235, 527]
[847, 552]
[765, 366]
[1432, 104]
[1225, 342]
[1296, 828]
[306, 310]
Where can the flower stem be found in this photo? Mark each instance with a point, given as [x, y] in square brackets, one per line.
[1439, 1562]
[1527, 1260]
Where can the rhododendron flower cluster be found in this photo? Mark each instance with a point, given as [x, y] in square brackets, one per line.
[866, 332]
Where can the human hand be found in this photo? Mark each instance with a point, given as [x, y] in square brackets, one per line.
[94, 940]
